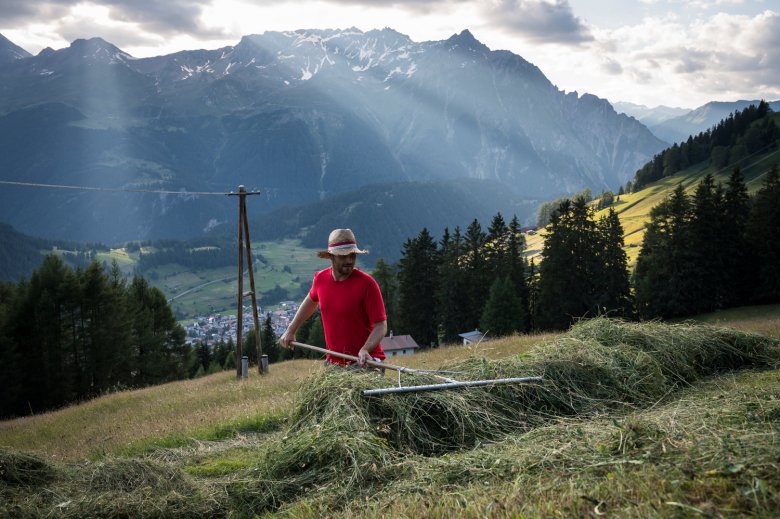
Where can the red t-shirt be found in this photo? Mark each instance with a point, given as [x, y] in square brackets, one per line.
[349, 309]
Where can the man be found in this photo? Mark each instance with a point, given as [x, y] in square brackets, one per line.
[351, 305]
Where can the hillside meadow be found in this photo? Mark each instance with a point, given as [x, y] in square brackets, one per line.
[642, 420]
[633, 209]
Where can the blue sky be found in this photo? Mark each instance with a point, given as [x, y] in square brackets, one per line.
[653, 52]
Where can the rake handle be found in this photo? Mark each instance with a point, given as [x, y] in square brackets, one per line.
[346, 356]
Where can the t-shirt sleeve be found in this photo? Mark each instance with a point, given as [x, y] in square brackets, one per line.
[373, 303]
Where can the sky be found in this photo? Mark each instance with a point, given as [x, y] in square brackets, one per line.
[681, 53]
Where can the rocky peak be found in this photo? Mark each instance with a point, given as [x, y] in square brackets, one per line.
[10, 52]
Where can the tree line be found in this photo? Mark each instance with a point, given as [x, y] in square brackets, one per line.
[730, 141]
[68, 335]
[481, 280]
[184, 254]
[716, 249]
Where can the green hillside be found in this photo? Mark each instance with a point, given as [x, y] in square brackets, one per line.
[633, 209]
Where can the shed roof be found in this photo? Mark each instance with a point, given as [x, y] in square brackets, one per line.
[472, 336]
[398, 342]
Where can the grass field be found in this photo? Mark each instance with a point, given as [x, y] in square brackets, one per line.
[711, 449]
[286, 266]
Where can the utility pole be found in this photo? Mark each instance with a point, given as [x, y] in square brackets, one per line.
[243, 241]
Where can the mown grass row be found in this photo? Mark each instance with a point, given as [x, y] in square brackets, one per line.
[447, 451]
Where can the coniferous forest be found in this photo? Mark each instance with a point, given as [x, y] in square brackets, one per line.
[71, 335]
[716, 249]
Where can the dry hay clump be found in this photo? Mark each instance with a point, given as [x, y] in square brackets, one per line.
[344, 442]
[23, 469]
[112, 488]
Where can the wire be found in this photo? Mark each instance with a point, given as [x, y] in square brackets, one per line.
[123, 189]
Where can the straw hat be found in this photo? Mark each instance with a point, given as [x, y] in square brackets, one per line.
[341, 242]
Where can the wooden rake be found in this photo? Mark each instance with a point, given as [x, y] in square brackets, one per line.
[448, 383]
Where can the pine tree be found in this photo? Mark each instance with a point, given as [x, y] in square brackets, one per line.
[449, 297]
[316, 335]
[517, 272]
[734, 244]
[269, 341]
[11, 397]
[477, 275]
[613, 291]
[387, 279]
[504, 312]
[707, 283]
[204, 356]
[662, 278]
[763, 236]
[568, 270]
[417, 279]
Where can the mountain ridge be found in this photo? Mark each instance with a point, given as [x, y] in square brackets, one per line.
[305, 114]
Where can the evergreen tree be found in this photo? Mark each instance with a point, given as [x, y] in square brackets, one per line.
[763, 236]
[220, 354]
[532, 280]
[662, 281]
[495, 250]
[417, 287]
[517, 272]
[613, 291]
[204, 356]
[449, 297]
[568, 270]
[250, 348]
[503, 314]
[734, 244]
[158, 340]
[316, 335]
[477, 275]
[387, 279]
[269, 341]
[230, 361]
[707, 283]
[11, 396]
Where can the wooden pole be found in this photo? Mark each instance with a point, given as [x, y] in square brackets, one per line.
[252, 288]
[240, 305]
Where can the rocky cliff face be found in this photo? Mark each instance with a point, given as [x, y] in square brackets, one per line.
[305, 115]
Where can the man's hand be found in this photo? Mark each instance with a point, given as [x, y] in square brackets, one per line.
[287, 338]
[363, 357]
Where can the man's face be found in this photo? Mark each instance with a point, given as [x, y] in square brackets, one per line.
[343, 265]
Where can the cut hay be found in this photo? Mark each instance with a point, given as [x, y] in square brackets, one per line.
[344, 441]
[19, 468]
[341, 448]
[128, 475]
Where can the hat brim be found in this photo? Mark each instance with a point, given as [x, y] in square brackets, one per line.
[324, 254]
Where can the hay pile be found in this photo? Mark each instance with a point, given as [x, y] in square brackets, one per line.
[341, 447]
[345, 443]
[32, 487]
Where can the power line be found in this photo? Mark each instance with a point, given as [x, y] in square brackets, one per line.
[121, 189]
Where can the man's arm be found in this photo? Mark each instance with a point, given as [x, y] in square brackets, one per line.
[374, 338]
[305, 311]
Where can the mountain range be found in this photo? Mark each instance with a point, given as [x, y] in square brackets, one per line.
[303, 116]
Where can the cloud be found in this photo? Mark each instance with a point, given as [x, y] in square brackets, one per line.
[162, 18]
[14, 11]
[542, 21]
[721, 56]
[611, 67]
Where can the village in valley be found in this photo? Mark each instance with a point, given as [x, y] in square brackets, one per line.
[217, 327]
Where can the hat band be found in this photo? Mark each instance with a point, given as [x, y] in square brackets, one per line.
[343, 245]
